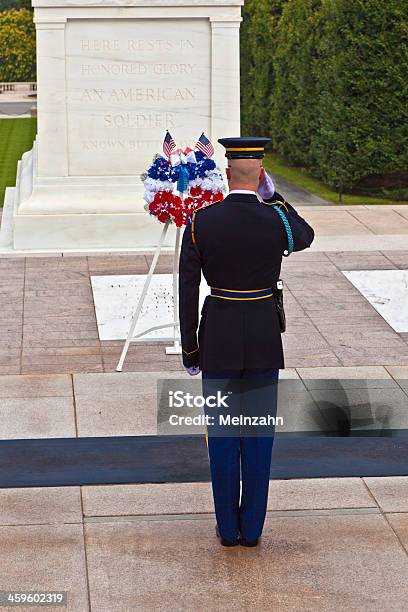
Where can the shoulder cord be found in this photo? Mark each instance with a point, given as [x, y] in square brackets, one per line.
[288, 230]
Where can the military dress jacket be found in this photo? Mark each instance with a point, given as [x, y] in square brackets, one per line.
[237, 244]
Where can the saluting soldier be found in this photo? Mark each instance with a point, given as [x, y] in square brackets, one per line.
[237, 245]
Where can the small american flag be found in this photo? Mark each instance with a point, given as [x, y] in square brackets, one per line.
[168, 144]
[205, 146]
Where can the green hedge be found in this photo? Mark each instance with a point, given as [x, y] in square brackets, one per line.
[293, 115]
[336, 89]
[362, 69]
[258, 34]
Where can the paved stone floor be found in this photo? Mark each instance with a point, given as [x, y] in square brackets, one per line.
[48, 319]
[329, 543]
[40, 406]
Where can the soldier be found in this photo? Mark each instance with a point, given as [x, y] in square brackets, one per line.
[238, 245]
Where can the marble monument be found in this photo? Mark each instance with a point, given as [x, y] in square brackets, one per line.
[112, 76]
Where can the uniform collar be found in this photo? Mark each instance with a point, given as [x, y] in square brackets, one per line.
[246, 192]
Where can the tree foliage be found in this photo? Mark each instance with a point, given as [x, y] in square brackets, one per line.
[17, 46]
[336, 88]
[5, 5]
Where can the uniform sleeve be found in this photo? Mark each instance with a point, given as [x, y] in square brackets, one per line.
[303, 233]
[189, 289]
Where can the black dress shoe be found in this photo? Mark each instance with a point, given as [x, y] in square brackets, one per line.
[249, 543]
[223, 541]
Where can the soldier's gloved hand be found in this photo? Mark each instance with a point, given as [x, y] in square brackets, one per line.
[193, 371]
[266, 187]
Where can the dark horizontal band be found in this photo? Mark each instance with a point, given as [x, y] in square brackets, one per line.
[62, 462]
[241, 154]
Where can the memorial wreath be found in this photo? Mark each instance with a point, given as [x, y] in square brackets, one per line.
[195, 175]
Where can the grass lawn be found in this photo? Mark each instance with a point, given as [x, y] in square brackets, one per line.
[299, 176]
[16, 137]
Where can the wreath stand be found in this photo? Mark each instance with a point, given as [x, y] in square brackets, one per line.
[170, 350]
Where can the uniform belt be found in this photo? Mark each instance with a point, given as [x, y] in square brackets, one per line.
[233, 294]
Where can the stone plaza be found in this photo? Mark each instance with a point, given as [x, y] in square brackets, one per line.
[94, 502]
[150, 545]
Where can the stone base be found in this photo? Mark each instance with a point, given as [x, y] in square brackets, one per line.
[86, 232]
[77, 213]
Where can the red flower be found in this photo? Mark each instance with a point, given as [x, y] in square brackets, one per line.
[163, 216]
[167, 206]
[218, 197]
[160, 207]
[195, 191]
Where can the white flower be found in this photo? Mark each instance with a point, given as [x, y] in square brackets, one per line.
[155, 185]
[166, 186]
[212, 181]
[149, 196]
[196, 182]
[151, 184]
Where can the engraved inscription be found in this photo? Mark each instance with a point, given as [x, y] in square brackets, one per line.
[102, 45]
[109, 145]
[127, 82]
[149, 94]
[140, 120]
[135, 68]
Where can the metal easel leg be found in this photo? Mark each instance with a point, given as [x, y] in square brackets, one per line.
[176, 348]
[138, 310]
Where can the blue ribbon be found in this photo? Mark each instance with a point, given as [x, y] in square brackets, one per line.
[183, 178]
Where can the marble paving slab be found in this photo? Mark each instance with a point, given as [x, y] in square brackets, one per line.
[45, 558]
[196, 497]
[390, 493]
[40, 505]
[317, 564]
[116, 298]
[387, 292]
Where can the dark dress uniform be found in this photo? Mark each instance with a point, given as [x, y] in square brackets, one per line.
[238, 245]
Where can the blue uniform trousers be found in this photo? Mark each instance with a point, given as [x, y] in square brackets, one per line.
[241, 452]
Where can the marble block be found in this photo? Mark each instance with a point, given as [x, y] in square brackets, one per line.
[112, 77]
[116, 298]
[127, 82]
[387, 292]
